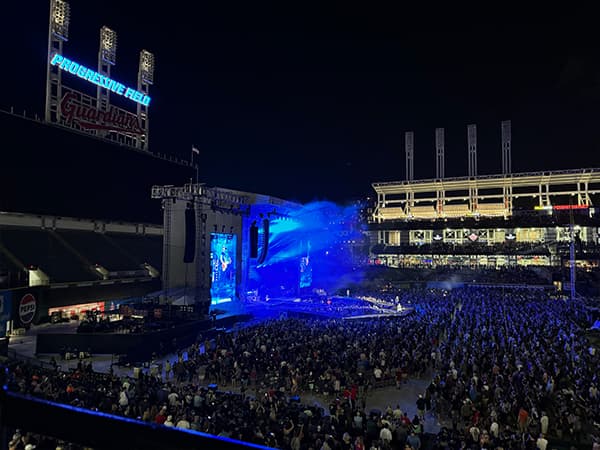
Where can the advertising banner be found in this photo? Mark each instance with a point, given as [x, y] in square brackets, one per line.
[77, 112]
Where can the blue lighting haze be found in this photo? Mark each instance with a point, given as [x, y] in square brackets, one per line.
[309, 249]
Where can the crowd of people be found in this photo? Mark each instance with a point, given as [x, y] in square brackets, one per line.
[509, 369]
[383, 276]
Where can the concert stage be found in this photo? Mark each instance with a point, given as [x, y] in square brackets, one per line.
[345, 308]
[223, 246]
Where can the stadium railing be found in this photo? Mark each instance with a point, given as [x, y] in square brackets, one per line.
[101, 430]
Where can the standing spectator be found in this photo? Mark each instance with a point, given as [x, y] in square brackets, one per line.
[183, 423]
[161, 417]
[494, 429]
[385, 436]
[542, 442]
[522, 419]
[421, 407]
[544, 423]
[358, 443]
[414, 441]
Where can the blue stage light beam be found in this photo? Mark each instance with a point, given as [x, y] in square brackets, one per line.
[316, 238]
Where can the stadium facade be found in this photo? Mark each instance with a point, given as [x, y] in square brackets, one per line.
[521, 219]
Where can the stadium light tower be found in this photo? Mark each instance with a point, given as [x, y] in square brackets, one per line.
[505, 126]
[439, 168]
[472, 153]
[107, 57]
[439, 154]
[409, 147]
[60, 18]
[145, 79]
[506, 132]
[572, 255]
[108, 46]
[58, 33]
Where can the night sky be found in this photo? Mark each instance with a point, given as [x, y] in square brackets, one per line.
[310, 104]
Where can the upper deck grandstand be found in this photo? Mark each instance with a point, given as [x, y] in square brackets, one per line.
[488, 221]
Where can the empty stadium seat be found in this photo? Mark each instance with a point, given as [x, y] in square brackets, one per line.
[392, 213]
[491, 209]
[37, 247]
[423, 212]
[142, 249]
[456, 210]
[94, 247]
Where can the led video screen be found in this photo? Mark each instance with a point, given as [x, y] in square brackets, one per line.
[223, 249]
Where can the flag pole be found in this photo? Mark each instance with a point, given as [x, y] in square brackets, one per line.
[195, 150]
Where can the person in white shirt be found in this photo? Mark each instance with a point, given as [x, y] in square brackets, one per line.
[169, 421]
[544, 423]
[378, 373]
[173, 397]
[123, 400]
[541, 443]
[183, 423]
[494, 429]
[385, 435]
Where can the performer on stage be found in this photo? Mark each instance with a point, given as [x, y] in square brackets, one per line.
[225, 259]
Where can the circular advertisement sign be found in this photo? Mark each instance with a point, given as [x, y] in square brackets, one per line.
[27, 308]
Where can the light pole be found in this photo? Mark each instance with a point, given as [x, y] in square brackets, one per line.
[572, 272]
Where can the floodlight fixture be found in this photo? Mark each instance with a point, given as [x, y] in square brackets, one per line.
[108, 45]
[147, 67]
[60, 16]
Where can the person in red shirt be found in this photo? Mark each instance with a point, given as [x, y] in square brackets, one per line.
[476, 417]
[405, 420]
[522, 419]
[161, 417]
[358, 443]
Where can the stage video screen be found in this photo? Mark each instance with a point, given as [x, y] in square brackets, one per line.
[223, 266]
[305, 272]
